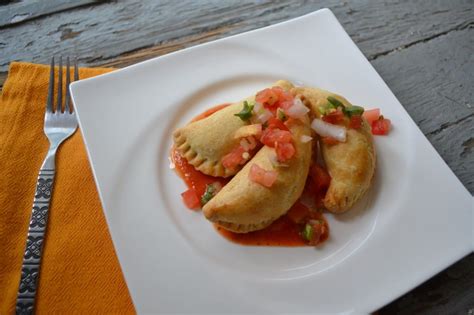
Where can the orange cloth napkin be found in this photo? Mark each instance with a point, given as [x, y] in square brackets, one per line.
[80, 272]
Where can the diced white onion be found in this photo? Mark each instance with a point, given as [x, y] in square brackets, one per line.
[171, 165]
[298, 83]
[306, 139]
[217, 187]
[257, 107]
[252, 142]
[245, 144]
[265, 116]
[325, 129]
[274, 160]
[273, 157]
[298, 110]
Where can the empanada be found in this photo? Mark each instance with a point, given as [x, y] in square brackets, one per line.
[244, 206]
[205, 142]
[351, 164]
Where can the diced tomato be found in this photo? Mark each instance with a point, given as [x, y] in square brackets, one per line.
[298, 212]
[274, 97]
[275, 123]
[234, 158]
[191, 199]
[282, 94]
[371, 115]
[334, 117]
[356, 122]
[317, 185]
[285, 151]
[261, 176]
[381, 126]
[283, 97]
[329, 140]
[321, 178]
[267, 97]
[272, 136]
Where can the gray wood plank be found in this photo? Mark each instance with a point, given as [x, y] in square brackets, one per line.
[100, 33]
[456, 145]
[449, 292]
[434, 82]
[29, 9]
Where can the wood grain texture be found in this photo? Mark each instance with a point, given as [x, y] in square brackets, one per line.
[423, 49]
[26, 10]
[101, 33]
[449, 292]
[434, 82]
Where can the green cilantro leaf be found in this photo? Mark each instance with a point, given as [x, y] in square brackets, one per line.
[334, 102]
[353, 110]
[281, 114]
[246, 112]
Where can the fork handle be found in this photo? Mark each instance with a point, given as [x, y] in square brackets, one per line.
[36, 231]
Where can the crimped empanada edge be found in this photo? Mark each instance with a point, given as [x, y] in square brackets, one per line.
[204, 165]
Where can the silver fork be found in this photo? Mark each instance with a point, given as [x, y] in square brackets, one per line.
[58, 126]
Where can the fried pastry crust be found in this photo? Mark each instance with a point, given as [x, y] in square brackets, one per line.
[205, 142]
[351, 164]
[243, 206]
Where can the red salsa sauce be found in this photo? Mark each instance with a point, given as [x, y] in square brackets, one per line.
[285, 231]
[193, 178]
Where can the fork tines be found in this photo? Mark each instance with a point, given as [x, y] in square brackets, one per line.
[59, 101]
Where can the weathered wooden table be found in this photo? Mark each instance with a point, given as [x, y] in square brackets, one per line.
[423, 49]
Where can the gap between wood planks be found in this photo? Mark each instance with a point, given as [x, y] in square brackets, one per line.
[449, 124]
[21, 12]
[459, 27]
[142, 53]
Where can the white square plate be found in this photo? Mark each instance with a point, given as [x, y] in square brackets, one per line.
[415, 221]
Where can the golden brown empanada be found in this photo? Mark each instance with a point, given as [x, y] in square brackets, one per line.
[244, 206]
[351, 164]
[205, 142]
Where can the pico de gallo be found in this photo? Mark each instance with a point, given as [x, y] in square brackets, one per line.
[268, 118]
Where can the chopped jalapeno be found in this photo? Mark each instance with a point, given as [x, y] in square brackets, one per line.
[246, 112]
[308, 232]
[323, 110]
[281, 114]
[353, 110]
[335, 103]
[208, 194]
